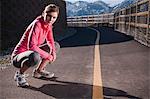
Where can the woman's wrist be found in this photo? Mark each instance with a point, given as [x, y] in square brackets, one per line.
[50, 58]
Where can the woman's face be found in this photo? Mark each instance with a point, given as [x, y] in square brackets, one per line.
[50, 17]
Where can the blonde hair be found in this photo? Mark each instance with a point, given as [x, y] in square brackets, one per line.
[51, 8]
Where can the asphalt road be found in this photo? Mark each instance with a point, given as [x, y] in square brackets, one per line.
[124, 68]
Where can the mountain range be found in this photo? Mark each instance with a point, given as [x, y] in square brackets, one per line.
[80, 8]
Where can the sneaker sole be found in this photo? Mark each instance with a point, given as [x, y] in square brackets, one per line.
[44, 76]
[23, 85]
[49, 76]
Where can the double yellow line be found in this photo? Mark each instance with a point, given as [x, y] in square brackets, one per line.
[97, 77]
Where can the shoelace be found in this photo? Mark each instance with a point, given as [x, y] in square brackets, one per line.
[25, 75]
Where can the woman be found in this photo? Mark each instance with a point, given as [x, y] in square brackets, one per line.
[30, 50]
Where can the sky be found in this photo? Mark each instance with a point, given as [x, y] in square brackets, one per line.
[110, 2]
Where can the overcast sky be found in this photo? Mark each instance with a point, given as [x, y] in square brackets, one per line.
[110, 2]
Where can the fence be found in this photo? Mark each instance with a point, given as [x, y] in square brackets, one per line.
[91, 20]
[135, 21]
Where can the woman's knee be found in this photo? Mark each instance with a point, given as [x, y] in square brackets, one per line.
[34, 59]
[28, 58]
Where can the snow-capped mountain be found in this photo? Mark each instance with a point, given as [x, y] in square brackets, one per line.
[80, 8]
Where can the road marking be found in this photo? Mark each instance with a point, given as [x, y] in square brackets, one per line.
[97, 77]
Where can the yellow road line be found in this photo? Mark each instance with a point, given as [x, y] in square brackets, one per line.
[97, 78]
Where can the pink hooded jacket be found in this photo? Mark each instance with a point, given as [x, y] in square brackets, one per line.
[35, 35]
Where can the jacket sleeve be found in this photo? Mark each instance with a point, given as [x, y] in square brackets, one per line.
[33, 42]
[50, 40]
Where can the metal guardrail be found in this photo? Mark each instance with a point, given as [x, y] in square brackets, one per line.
[133, 20]
[91, 20]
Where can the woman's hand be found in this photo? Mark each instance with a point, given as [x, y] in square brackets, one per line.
[54, 56]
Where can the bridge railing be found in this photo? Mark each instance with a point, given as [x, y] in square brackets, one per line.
[135, 21]
[91, 20]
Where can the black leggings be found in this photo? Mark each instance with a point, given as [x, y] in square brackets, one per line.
[28, 58]
[31, 58]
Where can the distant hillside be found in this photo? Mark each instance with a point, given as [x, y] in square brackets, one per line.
[80, 8]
